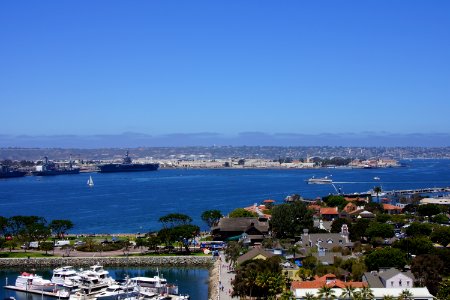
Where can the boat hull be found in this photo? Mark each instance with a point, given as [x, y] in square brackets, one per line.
[12, 174]
[114, 168]
[56, 172]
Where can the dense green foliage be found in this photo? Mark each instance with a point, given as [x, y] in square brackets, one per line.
[441, 235]
[385, 258]
[289, 219]
[60, 227]
[259, 278]
[428, 210]
[211, 217]
[241, 213]
[416, 228]
[335, 200]
[177, 228]
[427, 270]
[381, 230]
[415, 245]
[172, 220]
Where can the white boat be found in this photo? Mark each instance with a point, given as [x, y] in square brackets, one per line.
[62, 276]
[322, 180]
[28, 281]
[117, 291]
[98, 272]
[376, 178]
[90, 182]
[147, 286]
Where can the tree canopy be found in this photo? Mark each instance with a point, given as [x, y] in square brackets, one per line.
[289, 219]
[241, 213]
[382, 230]
[175, 219]
[385, 258]
[60, 227]
[428, 210]
[211, 217]
[259, 278]
[428, 269]
[177, 228]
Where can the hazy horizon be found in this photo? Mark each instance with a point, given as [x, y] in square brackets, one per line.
[133, 140]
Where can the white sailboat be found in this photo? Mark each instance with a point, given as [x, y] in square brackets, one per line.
[90, 182]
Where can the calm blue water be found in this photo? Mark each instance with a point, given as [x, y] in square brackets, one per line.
[133, 202]
[189, 280]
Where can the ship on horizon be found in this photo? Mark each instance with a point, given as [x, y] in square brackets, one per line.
[127, 166]
[323, 180]
[49, 168]
[7, 172]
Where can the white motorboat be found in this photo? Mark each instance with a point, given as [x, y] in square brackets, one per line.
[147, 286]
[98, 272]
[117, 291]
[62, 275]
[28, 281]
[322, 180]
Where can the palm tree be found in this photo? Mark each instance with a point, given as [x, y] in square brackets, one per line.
[326, 292]
[309, 296]
[377, 190]
[357, 296]
[347, 292]
[405, 295]
[388, 297]
[367, 293]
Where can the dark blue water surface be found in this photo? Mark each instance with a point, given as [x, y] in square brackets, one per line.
[190, 281]
[133, 202]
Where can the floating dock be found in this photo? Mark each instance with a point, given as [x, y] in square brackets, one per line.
[60, 294]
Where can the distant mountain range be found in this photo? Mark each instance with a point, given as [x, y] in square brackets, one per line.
[132, 140]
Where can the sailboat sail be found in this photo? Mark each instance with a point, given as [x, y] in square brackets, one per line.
[90, 182]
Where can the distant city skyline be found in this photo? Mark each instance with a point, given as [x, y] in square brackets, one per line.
[209, 139]
[255, 72]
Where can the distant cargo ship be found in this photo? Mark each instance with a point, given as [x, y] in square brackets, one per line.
[127, 166]
[49, 168]
[6, 172]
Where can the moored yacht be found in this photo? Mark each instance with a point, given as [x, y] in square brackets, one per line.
[62, 275]
[30, 281]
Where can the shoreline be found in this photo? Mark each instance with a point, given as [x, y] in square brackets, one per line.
[43, 262]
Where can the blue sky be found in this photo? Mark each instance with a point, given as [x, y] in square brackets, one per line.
[224, 67]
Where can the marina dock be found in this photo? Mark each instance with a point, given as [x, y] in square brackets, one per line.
[60, 294]
[420, 191]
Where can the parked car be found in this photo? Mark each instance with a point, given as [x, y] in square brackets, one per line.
[61, 243]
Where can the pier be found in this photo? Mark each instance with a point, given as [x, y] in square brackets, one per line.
[419, 191]
[60, 294]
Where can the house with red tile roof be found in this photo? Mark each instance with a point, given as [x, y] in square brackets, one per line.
[259, 210]
[391, 209]
[329, 213]
[315, 208]
[329, 280]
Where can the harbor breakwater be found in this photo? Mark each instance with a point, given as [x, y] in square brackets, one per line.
[169, 261]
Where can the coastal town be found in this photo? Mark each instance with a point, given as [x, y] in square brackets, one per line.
[373, 245]
[225, 150]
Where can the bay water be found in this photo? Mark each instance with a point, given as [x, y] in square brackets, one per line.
[133, 202]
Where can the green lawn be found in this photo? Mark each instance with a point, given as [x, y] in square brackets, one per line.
[23, 254]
